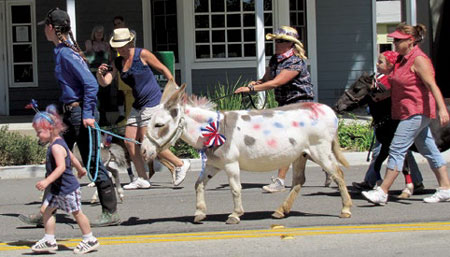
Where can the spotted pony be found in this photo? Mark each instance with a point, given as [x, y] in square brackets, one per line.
[256, 140]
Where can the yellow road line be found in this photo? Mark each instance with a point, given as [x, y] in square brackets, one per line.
[200, 236]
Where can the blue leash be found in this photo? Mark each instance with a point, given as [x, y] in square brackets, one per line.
[90, 154]
[97, 161]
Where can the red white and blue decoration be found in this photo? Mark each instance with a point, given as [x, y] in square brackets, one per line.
[211, 133]
[32, 105]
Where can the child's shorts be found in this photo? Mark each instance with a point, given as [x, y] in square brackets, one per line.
[68, 203]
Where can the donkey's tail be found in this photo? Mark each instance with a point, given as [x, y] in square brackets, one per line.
[336, 148]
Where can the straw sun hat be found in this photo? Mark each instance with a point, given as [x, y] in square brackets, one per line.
[289, 34]
[121, 37]
[286, 33]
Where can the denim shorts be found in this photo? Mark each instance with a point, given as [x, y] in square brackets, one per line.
[414, 130]
[141, 118]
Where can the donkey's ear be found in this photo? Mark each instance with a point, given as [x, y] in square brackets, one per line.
[169, 89]
[175, 98]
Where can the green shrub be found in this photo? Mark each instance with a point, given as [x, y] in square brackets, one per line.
[355, 136]
[225, 99]
[183, 150]
[17, 149]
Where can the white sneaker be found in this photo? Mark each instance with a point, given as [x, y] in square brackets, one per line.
[376, 196]
[138, 183]
[86, 246]
[441, 195]
[276, 186]
[44, 246]
[180, 172]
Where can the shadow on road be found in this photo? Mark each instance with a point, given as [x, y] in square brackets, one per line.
[259, 215]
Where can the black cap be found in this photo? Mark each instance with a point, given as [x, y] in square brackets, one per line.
[56, 17]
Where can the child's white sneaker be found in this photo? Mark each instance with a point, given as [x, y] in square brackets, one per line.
[86, 246]
[44, 246]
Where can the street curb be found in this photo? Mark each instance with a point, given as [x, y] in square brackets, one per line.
[38, 171]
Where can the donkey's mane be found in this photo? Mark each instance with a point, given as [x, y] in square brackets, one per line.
[200, 101]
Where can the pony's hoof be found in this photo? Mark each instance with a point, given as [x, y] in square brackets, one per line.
[278, 215]
[92, 184]
[406, 193]
[121, 198]
[233, 220]
[345, 215]
[198, 218]
[93, 201]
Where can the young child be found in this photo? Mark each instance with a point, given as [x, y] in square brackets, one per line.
[64, 190]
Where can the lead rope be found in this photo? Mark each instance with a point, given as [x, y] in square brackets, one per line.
[88, 166]
[97, 161]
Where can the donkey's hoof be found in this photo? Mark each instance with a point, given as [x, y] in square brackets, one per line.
[199, 217]
[345, 215]
[406, 193]
[233, 220]
[278, 215]
[404, 196]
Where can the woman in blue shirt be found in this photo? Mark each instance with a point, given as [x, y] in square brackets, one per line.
[79, 98]
[133, 65]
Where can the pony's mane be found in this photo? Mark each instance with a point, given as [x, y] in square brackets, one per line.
[199, 101]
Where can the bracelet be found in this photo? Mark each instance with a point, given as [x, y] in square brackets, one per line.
[252, 88]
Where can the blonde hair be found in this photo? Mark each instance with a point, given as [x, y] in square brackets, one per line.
[96, 29]
[417, 32]
[289, 34]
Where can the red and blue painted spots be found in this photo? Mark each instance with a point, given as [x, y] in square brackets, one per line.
[272, 143]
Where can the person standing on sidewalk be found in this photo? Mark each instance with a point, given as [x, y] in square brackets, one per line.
[64, 191]
[133, 65]
[288, 74]
[414, 96]
[79, 98]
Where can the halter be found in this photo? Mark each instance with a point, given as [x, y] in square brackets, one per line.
[173, 137]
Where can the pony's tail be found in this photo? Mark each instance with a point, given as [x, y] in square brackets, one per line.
[336, 148]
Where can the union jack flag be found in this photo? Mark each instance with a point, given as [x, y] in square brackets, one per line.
[211, 133]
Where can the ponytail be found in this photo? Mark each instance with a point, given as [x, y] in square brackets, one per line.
[75, 47]
[420, 30]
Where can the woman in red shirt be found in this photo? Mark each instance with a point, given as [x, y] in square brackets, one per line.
[414, 97]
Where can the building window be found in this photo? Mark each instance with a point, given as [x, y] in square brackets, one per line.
[21, 44]
[298, 18]
[226, 29]
[385, 47]
[164, 26]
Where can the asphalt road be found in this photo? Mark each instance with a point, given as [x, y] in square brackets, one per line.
[159, 221]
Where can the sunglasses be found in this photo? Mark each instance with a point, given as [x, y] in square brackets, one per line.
[281, 41]
[398, 40]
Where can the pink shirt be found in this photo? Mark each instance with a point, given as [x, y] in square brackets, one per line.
[409, 95]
